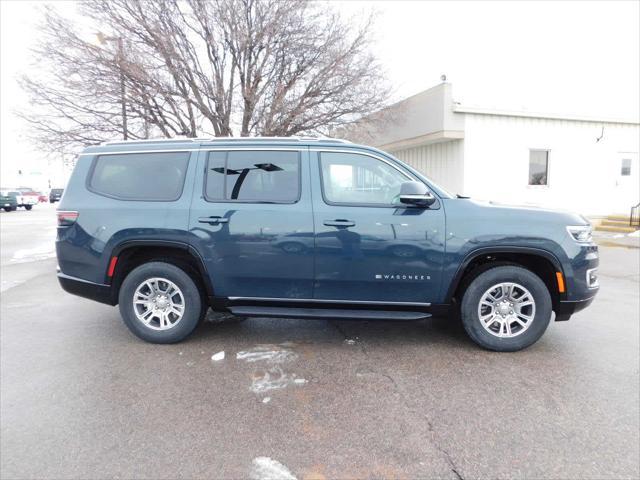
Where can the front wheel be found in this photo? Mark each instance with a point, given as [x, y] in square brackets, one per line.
[506, 309]
[160, 303]
[7, 209]
[28, 207]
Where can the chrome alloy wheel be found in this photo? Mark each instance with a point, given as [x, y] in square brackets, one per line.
[506, 310]
[158, 303]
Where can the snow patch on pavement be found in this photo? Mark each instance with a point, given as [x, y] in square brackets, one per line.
[274, 379]
[216, 357]
[268, 353]
[265, 468]
[41, 252]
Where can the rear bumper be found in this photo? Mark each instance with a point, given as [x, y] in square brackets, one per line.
[93, 291]
[567, 308]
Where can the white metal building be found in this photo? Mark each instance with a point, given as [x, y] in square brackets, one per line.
[587, 165]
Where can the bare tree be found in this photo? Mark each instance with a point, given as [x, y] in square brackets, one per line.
[191, 67]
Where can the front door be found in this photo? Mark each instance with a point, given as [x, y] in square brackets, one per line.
[251, 220]
[369, 247]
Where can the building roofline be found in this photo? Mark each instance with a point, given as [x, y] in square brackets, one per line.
[553, 116]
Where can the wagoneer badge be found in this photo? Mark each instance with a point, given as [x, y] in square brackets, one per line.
[399, 276]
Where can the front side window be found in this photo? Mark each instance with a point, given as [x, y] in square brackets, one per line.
[625, 168]
[538, 167]
[140, 176]
[253, 176]
[359, 179]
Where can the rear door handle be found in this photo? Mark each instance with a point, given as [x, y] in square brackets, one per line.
[213, 220]
[340, 223]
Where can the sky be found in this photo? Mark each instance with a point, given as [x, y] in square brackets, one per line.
[554, 57]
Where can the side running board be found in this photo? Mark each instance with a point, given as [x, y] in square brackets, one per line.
[325, 313]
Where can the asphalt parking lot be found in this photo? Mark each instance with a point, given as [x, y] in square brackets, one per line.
[83, 398]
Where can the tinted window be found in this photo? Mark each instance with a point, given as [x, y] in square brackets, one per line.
[252, 176]
[353, 178]
[538, 167]
[140, 176]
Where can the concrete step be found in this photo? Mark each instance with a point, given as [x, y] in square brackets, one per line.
[619, 217]
[609, 228]
[615, 223]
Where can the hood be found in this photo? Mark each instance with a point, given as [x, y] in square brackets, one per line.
[526, 212]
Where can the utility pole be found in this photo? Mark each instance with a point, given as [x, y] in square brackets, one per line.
[103, 39]
[123, 92]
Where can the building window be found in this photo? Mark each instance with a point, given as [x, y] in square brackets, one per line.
[538, 167]
[625, 168]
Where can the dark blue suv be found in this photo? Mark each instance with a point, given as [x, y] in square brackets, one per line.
[309, 228]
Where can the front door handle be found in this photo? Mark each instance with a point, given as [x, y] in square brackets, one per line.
[340, 223]
[213, 220]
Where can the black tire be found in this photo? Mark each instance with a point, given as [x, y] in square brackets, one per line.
[193, 303]
[7, 209]
[28, 207]
[476, 289]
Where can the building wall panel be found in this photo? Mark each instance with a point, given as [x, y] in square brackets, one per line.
[441, 162]
[584, 172]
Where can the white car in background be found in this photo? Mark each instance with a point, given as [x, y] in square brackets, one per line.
[24, 198]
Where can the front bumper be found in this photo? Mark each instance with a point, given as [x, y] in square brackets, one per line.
[565, 309]
[83, 288]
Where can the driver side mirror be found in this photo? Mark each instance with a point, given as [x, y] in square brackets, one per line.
[416, 194]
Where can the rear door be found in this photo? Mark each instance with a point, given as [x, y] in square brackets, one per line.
[370, 248]
[251, 219]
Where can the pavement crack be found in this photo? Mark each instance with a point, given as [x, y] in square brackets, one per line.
[435, 439]
[340, 330]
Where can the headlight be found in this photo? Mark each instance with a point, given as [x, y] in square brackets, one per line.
[580, 233]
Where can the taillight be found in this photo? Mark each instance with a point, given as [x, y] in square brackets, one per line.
[66, 218]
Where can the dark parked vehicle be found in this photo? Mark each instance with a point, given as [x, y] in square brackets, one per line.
[8, 202]
[55, 195]
[309, 228]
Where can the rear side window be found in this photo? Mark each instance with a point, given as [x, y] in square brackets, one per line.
[253, 176]
[140, 176]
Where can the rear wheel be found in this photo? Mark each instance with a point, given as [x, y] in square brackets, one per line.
[506, 309]
[160, 303]
[7, 209]
[28, 207]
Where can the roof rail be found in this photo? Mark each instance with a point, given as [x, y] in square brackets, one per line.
[224, 139]
[152, 140]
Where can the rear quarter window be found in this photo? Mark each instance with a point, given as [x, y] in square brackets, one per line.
[140, 176]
